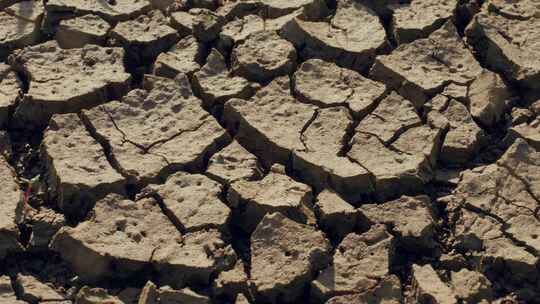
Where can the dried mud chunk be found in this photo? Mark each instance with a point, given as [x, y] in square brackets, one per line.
[263, 56]
[350, 39]
[487, 97]
[314, 137]
[121, 235]
[508, 191]
[146, 36]
[45, 223]
[87, 295]
[513, 263]
[274, 193]
[182, 22]
[195, 259]
[122, 10]
[148, 127]
[124, 236]
[388, 291]
[420, 18]
[402, 167]
[284, 257]
[34, 291]
[359, 263]
[7, 294]
[78, 170]
[516, 58]
[429, 288]
[192, 201]
[325, 84]
[80, 31]
[410, 218]
[16, 33]
[215, 84]
[234, 163]
[9, 94]
[320, 161]
[471, 286]
[392, 117]
[66, 81]
[185, 57]
[529, 132]
[238, 30]
[471, 229]
[206, 25]
[464, 137]
[232, 282]
[336, 216]
[10, 213]
[271, 106]
[423, 68]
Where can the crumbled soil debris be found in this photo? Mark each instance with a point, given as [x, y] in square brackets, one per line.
[269, 151]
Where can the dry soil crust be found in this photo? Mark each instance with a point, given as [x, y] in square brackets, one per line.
[269, 151]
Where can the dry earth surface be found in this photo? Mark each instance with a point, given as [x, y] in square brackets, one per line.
[269, 151]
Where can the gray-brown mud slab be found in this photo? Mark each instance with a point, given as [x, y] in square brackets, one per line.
[418, 19]
[395, 148]
[67, 80]
[122, 10]
[285, 255]
[78, 172]
[425, 67]
[326, 84]
[504, 38]
[157, 130]
[215, 85]
[276, 192]
[360, 262]
[411, 219]
[351, 38]
[234, 163]
[494, 215]
[192, 202]
[185, 57]
[313, 136]
[123, 237]
[21, 23]
[263, 56]
[464, 137]
[145, 37]
[80, 31]
[336, 217]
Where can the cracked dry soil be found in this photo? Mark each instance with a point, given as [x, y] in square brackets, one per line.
[269, 151]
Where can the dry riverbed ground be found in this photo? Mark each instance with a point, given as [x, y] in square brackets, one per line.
[269, 151]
